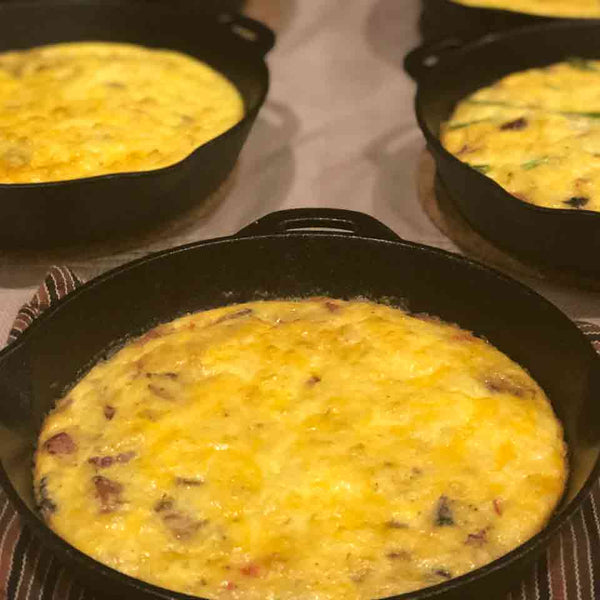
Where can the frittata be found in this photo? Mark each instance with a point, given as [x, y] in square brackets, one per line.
[536, 133]
[311, 449]
[574, 9]
[82, 109]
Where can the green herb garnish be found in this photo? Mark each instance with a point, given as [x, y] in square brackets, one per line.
[481, 168]
[589, 115]
[536, 162]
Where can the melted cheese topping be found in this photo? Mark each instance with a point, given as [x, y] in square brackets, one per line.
[314, 449]
[83, 109]
[553, 8]
[536, 133]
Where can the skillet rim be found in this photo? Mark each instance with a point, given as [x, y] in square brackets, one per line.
[511, 12]
[535, 545]
[249, 114]
[456, 53]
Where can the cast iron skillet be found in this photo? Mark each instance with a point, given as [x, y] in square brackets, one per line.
[443, 18]
[298, 253]
[568, 239]
[44, 214]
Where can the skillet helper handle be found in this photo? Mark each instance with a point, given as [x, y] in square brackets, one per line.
[422, 59]
[320, 220]
[249, 30]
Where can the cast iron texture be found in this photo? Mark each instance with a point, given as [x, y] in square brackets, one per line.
[50, 214]
[443, 18]
[298, 253]
[563, 238]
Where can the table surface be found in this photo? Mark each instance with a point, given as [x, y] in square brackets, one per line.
[337, 130]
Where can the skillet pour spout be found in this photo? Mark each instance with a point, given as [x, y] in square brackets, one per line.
[289, 254]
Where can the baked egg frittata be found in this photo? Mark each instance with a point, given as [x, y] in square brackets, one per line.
[575, 9]
[313, 449]
[536, 133]
[83, 109]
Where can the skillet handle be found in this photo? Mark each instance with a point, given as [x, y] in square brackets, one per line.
[420, 60]
[320, 220]
[249, 30]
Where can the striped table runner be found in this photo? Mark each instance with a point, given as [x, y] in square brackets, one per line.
[570, 570]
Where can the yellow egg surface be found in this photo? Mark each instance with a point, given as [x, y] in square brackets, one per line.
[311, 449]
[536, 133]
[83, 109]
[574, 9]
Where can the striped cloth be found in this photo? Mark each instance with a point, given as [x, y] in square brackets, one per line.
[570, 570]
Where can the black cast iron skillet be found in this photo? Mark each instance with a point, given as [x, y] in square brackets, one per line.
[442, 19]
[567, 239]
[46, 214]
[298, 253]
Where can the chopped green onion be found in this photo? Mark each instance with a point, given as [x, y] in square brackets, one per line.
[589, 115]
[536, 162]
[582, 64]
[481, 168]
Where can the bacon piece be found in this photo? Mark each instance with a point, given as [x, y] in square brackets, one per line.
[165, 503]
[479, 538]
[102, 462]
[108, 492]
[182, 526]
[313, 380]
[443, 573]
[443, 512]
[109, 411]
[61, 443]
[515, 125]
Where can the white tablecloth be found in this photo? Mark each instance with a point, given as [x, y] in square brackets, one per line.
[337, 130]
